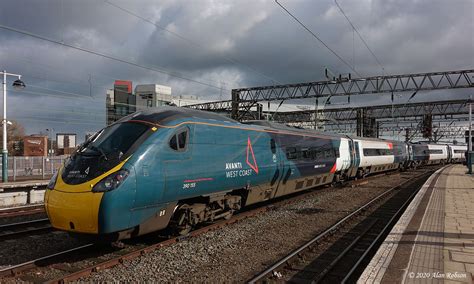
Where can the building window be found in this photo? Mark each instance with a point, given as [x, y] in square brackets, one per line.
[121, 110]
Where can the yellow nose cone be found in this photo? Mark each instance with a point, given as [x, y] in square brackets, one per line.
[75, 207]
[75, 212]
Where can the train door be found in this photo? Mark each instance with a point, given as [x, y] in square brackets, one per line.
[280, 172]
[352, 167]
[176, 164]
[357, 154]
[410, 152]
[450, 153]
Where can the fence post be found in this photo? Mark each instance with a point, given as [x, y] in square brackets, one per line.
[14, 168]
[42, 167]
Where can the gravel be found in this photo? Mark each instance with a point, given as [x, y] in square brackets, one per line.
[237, 252]
[27, 248]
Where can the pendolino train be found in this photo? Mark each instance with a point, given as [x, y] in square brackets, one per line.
[180, 167]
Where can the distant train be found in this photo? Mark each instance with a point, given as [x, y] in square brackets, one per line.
[178, 168]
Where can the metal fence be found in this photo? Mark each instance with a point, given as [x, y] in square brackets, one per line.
[21, 168]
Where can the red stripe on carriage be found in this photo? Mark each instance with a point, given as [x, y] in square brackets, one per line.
[198, 179]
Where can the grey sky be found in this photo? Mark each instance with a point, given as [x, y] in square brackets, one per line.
[228, 44]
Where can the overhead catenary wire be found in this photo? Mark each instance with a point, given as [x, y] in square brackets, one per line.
[78, 96]
[361, 38]
[88, 114]
[318, 38]
[53, 95]
[107, 56]
[44, 66]
[36, 119]
[187, 40]
[59, 91]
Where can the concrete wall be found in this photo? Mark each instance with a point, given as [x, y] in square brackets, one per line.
[23, 197]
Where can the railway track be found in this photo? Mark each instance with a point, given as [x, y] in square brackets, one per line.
[352, 241]
[42, 261]
[15, 230]
[103, 258]
[21, 210]
[114, 256]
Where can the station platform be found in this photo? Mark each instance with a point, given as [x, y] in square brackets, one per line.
[433, 241]
[23, 184]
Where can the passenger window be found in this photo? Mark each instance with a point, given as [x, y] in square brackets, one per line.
[327, 153]
[291, 153]
[319, 155]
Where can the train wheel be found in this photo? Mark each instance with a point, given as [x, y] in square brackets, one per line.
[228, 214]
[184, 230]
[181, 224]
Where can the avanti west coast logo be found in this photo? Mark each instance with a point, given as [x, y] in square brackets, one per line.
[235, 169]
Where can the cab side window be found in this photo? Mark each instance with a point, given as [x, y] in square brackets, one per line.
[179, 140]
[182, 137]
[174, 143]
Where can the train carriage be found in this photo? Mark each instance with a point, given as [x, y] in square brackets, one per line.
[183, 167]
[429, 154]
[457, 153]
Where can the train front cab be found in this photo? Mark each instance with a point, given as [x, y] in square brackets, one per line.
[94, 193]
[80, 208]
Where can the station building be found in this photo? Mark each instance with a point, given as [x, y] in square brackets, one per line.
[35, 145]
[120, 101]
[152, 95]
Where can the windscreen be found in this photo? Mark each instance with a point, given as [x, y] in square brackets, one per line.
[103, 151]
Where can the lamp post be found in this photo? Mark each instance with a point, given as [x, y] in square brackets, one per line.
[50, 137]
[17, 84]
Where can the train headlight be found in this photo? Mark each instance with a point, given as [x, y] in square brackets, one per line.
[111, 181]
[52, 181]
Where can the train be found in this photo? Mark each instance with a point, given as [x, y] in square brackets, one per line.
[178, 168]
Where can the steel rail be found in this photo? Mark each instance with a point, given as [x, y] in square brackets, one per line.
[9, 231]
[12, 271]
[21, 210]
[344, 252]
[326, 232]
[387, 226]
[15, 269]
[366, 251]
[236, 218]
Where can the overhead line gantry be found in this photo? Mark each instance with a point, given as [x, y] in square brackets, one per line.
[245, 98]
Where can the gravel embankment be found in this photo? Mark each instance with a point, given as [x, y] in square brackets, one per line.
[238, 251]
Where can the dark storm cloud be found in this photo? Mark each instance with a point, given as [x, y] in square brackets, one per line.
[228, 44]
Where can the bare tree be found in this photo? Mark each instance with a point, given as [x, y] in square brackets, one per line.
[15, 135]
